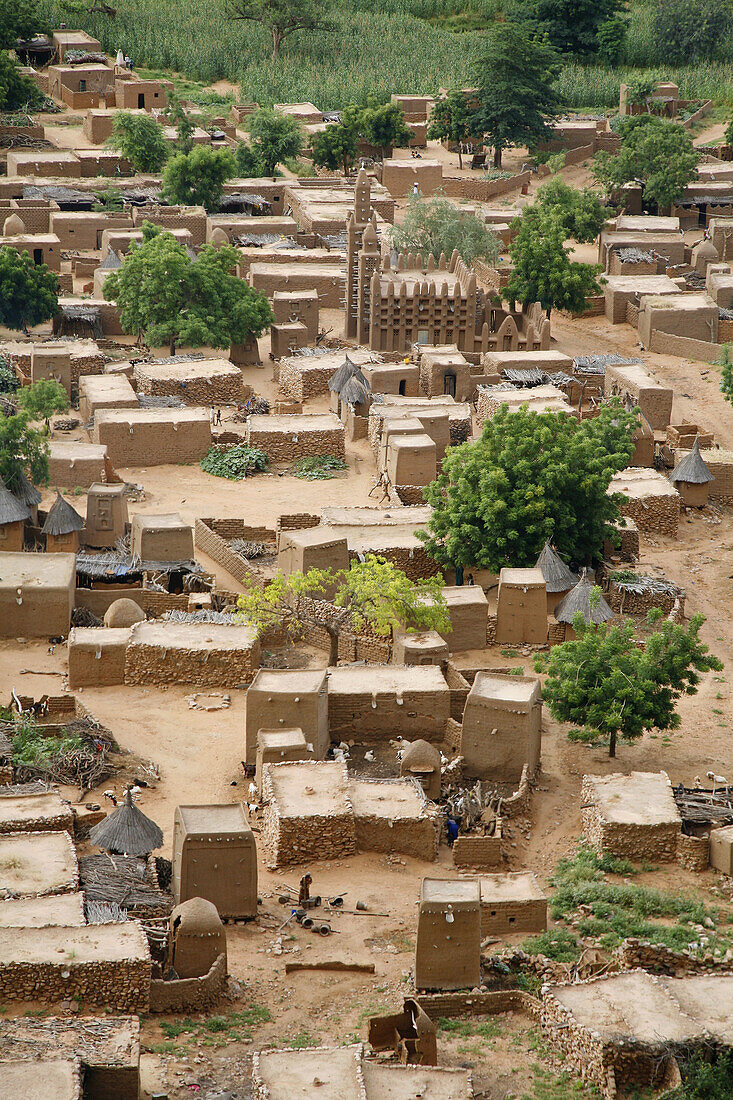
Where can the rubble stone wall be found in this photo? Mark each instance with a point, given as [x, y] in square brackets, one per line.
[124, 983]
[653, 514]
[693, 852]
[206, 389]
[417, 837]
[292, 840]
[451, 1005]
[288, 446]
[60, 822]
[147, 664]
[583, 1052]
[639, 603]
[190, 994]
[655, 842]
[301, 378]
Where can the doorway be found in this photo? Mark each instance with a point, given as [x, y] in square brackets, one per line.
[141, 100]
[449, 384]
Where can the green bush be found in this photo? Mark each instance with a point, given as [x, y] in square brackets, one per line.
[8, 378]
[33, 749]
[556, 943]
[317, 467]
[236, 463]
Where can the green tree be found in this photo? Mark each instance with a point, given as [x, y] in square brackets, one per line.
[379, 124]
[611, 38]
[248, 163]
[42, 400]
[335, 147]
[516, 91]
[582, 213]
[281, 18]
[140, 139]
[608, 686]
[543, 271]
[197, 178]
[23, 450]
[529, 478]
[166, 297]
[18, 19]
[451, 120]
[726, 374]
[571, 26]
[692, 32]
[655, 153]
[371, 593]
[184, 127]
[17, 91]
[29, 292]
[436, 225]
[274, 138]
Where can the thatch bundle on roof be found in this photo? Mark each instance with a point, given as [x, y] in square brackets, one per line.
[578, 600]
[12, 510]
[111, 262]
[128, 831]
[23, 489]
[356, 390]
[62, 519]
[692, 469]
[558, 577]
[339, 379]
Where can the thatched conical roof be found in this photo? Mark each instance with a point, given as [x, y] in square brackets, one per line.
[339, 379]
[127, 831]
[23, 489]
[692, 468]
[111, 261]
[62, 519]
[12, 510]
[558, 577]
[421, 757]
[355, 390]
[578, 600]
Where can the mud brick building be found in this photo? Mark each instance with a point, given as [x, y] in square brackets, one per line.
[73, 464]
[191, 653]
[546, 398]
[105, 391]
[448, 946]
[634, 383]
[96, 655]
[36, 594]
[38, 863]
[502, 727]
[631, 815]
[308, 813]
[286, 438]
[153, 437]
[622, 291]
[376, 703]
[326, 279]
[288, 699]
[305, 376]
[201, 382]
[392, 815]
[425, 410]
[511, 903]
[44, 812]
[649, 499]
[388, 532]
[720, 464]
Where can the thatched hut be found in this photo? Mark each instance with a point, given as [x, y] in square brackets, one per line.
[422, 761]
[127, 831]
[13, 517]
[349, 386]
[62, 526]
[24, 491]
[558, 578]
[691, 478]
[578, 600]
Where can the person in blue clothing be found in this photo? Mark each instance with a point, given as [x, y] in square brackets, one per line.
[452, 828]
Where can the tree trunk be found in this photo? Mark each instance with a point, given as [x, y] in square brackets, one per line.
[460, 158]
[333, 649]
[497, 156]
[172, 349]
[277, 38]
[612, 745]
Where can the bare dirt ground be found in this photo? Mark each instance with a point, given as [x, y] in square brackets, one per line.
[199, 755]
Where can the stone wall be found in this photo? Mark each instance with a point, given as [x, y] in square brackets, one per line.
[302, 378]
[635, 954]
[653, 514]
[655, 842]
[212, 667]
[640, 603]
[293, 840]
[190, 994]
[583, 1052]
[208, 388]
[420, 714]
[693, 852]
[62, 821]
[459, 689]
[451, 1005]
[288, 445]
[211, 540]
[417, 837]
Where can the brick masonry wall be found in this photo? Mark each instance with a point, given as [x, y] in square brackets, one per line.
[98, 600]
[422, 714]
[190, 994]
[414, 837]
[477, 852]
[212, 543]
[153, 443]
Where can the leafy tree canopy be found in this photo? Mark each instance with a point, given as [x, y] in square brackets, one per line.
[17, 91]
[274, 138]
[335, 147]
[692, 32]
[452, 120]
[29, 292]
[379, 124]
[18, 19]
[140, 139]
[571, 26]
[607, 686]
[177, 117]
[197, 178]
[43, 399]
[23, 450]
[655, 153]
[529, 478]
[168, 298]
[516, 88]
[248, 163]
[543, 271]
[281, 18]
[436, 225]
[726, 374]
[371, 593]
[582, 213]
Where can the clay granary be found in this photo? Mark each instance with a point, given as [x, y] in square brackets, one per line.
[215, 858]
[626, 815]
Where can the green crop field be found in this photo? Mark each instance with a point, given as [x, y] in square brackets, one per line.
[376, 47]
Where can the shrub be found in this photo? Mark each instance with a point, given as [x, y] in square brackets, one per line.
[235, 463]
